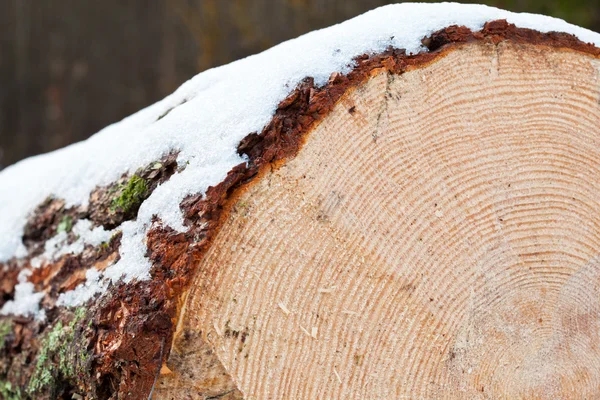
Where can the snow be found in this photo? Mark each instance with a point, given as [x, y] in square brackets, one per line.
[210, 114]
[26, 302]
[86, 235]
[93, 285]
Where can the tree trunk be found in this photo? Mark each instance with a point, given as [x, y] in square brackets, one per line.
[435, 237]
[426, 226]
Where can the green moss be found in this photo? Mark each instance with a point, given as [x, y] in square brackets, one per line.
[5, 329]
[8, 392]
[65, 225]
[60, 355]
[114, 236]
[42, 376]
[79, 314]
[132, 194]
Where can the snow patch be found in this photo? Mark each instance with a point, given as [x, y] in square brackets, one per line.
[57, 246]
[204, 120]
[93, 285]
[26, 302]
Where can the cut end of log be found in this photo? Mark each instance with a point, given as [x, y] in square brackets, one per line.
[455, 207]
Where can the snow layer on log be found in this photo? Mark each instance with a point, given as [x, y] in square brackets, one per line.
[205, 119]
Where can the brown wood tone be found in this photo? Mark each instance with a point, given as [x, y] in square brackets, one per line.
[436, 236]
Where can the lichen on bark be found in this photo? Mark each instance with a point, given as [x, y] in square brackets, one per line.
[63, 358]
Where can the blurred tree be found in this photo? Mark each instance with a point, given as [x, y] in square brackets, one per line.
[69, 68]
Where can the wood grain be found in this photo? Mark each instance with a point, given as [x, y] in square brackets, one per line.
[438, 236]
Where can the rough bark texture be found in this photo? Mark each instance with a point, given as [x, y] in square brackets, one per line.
[116, 346]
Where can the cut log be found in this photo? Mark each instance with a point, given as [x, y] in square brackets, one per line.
[437, 236]
[420, 226]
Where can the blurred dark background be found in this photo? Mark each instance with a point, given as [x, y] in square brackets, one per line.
[70, 67]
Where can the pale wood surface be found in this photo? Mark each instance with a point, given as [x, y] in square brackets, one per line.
[442, 241]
